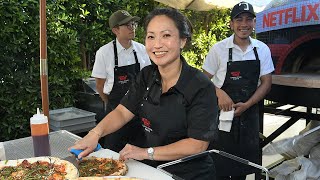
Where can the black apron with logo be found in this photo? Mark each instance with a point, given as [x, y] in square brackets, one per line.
[164, 123]
[243, 140]
[123, 76]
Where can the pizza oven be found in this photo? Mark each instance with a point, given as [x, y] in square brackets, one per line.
[304, 59]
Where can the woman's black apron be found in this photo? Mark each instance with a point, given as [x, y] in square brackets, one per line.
[243, 140]
[164, 123]
[123, 76]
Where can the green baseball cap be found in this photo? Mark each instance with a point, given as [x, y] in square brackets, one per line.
[121, 17]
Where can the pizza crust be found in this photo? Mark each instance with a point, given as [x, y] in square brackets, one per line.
[70, 169]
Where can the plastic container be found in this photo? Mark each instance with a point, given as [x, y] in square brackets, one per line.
[70, 117]
[40, 134]
[77, 128]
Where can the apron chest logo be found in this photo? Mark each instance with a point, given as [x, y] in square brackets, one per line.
[123, 79]
[146, 124]
[235, 75]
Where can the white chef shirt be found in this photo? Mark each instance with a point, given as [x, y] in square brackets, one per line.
[104, 63]
[218, 56]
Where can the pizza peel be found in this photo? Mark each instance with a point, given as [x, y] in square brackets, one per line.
[73, 158]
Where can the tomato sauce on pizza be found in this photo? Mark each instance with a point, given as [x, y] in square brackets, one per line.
[94, 166]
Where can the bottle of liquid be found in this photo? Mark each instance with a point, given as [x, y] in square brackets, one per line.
[40, 134]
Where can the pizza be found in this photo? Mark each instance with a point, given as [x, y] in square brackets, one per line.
[49, 168]
[52, 168]
[99, 167]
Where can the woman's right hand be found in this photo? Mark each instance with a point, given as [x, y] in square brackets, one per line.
[87, 144]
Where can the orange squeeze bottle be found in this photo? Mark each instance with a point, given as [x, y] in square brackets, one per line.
[40, 134]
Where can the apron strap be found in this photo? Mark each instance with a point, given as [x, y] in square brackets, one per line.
[135, 55]
[254, 50]
[115, 54]
[256, 53]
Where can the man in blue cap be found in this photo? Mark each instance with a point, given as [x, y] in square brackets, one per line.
[240, 68]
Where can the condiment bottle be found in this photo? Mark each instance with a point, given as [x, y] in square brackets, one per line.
[40, 134]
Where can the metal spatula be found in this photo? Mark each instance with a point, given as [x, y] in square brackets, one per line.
[72, 159]
[75, 153]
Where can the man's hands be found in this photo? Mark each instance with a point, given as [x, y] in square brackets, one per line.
[225, 103]
[104, 98]
[99, 86]
[240, 107]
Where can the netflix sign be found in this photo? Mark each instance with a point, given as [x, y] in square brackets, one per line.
[291, 15]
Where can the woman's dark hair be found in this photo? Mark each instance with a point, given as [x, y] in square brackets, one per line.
[182, 23]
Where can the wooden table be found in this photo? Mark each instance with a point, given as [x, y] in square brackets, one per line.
[297, 80]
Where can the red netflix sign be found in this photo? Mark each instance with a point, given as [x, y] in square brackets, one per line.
[291, 15]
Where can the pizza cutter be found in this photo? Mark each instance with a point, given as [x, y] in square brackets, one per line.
[75, 153]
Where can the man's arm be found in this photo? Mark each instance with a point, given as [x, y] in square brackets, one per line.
[99, 85]
[262, 90]
[210, 76]
[225, 103]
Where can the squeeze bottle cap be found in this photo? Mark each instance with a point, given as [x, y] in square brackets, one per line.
[38, 118]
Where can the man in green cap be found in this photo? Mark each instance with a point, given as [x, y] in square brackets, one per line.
[116, 65]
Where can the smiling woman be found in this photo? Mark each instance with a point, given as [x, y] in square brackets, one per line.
[175, 102]
[163, 44]
[172, 114]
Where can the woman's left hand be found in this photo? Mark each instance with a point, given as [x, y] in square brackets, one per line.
[133, 152]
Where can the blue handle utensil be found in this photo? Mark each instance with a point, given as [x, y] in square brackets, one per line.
[76, 152]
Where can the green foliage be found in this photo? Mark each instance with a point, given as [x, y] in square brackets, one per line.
[19, 84]
[200, 47]
[19, 66]
[208, 28]
[75, 31]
